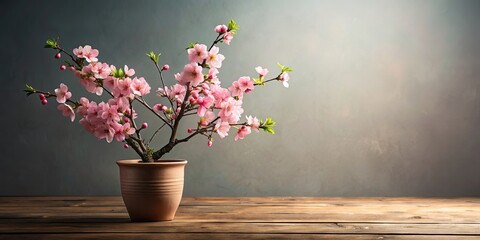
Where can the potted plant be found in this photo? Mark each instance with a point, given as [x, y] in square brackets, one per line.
[152, 186]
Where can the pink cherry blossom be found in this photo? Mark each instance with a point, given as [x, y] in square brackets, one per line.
[209, 117]
[122, 103]
[123, 88]
[128, 130]
[177, 93]
[86, 52]
[62, 93]
[198, 53]
[100, 70]
[219, 94]
[236, 90]
[192, 73]
[110, 113]
[261, 71]
[221, 29]
[105, 132]
[242, 132]
[253, 123]
[83, 108]
[212, 76]
[110, 82]
[118, 128]
[230, 111]
[222, 129]
[128, 71]
[245, 84]
[67, 111]
[227, 38]
[284, 78]
[215, 59]
[204, 103]
[140, 87]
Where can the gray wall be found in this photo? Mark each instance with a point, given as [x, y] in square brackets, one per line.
[384, 100]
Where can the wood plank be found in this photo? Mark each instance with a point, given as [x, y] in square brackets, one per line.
[219, 227]
[182, 236]
[285, 213]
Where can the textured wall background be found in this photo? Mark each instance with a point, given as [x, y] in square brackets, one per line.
[384, 100]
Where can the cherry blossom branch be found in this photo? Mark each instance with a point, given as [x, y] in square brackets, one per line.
[49, 94]
[135, 147]
[180, 114]
[217, 40]
[153, 111]
[70, 55]
[163, 83]
[133, 120]
[266, 81]
[155, 133]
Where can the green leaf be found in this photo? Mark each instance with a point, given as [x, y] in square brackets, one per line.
[269, 130]
[259, 81]
[118, 73]
[29, 90]
[284, 68]
[52, 43]
[154, 57]
[191, 45]
[267, 125]
[233, 27]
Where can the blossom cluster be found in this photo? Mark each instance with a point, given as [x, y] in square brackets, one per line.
[197, 91]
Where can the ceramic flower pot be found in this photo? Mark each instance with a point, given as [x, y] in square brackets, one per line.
[151, 191]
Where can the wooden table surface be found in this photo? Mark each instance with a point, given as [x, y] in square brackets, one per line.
[245, 218]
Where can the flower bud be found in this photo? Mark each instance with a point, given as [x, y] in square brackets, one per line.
[165, 67]
[63, 67]
[189, 130]
[44, 102]
[164, 108]
[195, 94]
[221, 29]
[42, 96]
[210, 143]
[126, 146]
[126, 120]
[72, 68]
[144, 125]
[58, 56]
[205, 86]
[157, 107]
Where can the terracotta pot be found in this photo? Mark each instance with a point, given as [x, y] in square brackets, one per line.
[151, 191]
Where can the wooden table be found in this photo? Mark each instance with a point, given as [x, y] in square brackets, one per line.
[245, 218]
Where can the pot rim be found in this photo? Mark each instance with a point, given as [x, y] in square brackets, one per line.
[138, 162]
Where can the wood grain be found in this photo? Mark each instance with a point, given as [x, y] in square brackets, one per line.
[245, 218]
